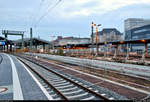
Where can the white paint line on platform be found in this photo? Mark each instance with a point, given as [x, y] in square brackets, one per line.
[17, 92]
[38, 83]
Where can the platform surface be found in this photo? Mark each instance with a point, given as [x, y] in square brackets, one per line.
[16, 83]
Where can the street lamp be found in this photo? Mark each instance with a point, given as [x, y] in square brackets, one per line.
[97, 39]
[92, 27]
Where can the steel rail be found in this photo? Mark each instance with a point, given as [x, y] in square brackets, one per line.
[85, 88]
[110, 70]
[48, 83]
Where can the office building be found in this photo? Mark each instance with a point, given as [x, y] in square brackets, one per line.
[132, 23]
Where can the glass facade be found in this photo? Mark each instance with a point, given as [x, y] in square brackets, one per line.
[137, 34]
[131, 23]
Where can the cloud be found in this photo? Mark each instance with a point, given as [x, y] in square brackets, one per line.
[76, 8]
[70, 17]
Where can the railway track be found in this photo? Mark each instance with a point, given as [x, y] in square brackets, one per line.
[131, 69]
[60, 86]
[113, 75]
[133, 95]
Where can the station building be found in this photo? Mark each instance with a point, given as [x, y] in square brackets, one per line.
[60, 41]
[108, 35]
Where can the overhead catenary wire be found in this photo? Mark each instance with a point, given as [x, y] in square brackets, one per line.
[49, 9]
[39, 11]
[34, 15]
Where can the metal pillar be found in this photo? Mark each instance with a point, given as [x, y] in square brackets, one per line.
[146, 47]
[4, 48]
[92, 26]
[97, 47]
[5, 37]
[127, 56]
[143, 56]
[116, 52]
[31, 40]
[15, 47]
[105, 49]
[7, 47]
[5, 41]
[10, 47]
[36, 47]
[22, 43]
[44, 47]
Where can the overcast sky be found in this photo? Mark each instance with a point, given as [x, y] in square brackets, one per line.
[68, 17]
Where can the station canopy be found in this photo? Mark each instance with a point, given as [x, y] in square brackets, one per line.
[35, 41]
[137, 41]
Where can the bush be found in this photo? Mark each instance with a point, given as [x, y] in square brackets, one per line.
[60, 52]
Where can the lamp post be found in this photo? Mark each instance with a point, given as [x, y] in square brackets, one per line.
[92, 27]
[31, 42]
[97, 39]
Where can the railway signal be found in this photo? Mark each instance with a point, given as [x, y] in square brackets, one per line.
[20, 33]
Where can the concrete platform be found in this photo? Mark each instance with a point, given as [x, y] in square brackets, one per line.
[18, 83]
[130, 69]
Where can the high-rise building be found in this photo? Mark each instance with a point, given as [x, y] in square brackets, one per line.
[138, 33]
[136, 29]
[132, 23]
